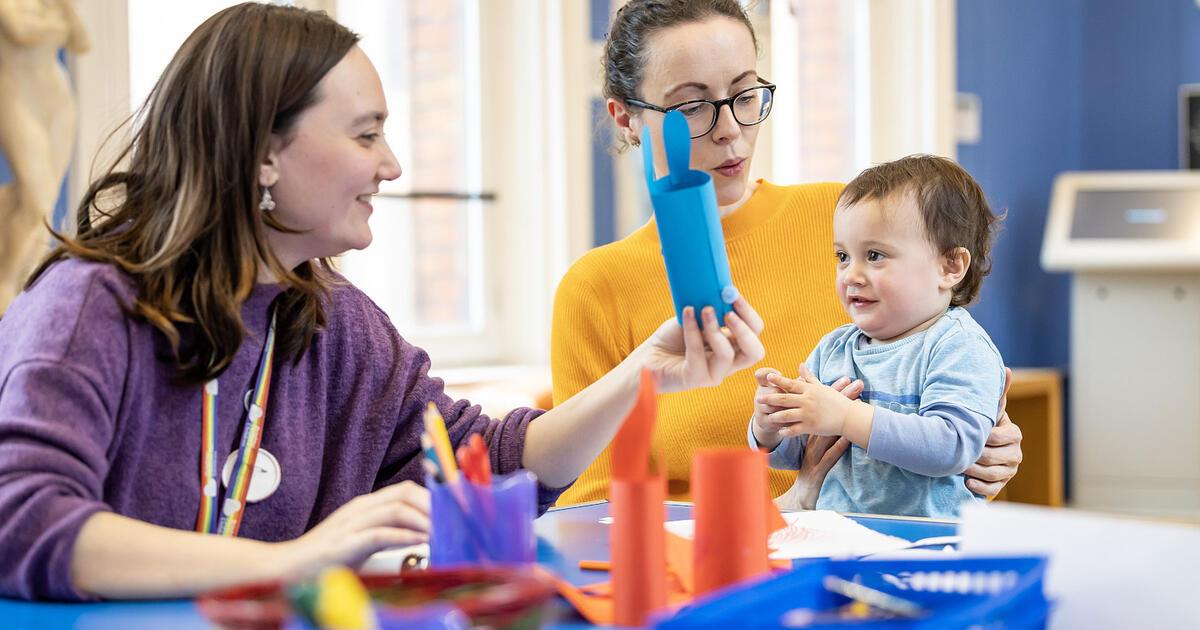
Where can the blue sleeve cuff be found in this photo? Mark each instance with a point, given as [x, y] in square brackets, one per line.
[787, 454]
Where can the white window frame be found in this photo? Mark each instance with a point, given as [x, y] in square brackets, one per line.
[912, 77]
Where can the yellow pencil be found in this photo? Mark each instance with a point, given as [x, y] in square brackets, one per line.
[435, 426]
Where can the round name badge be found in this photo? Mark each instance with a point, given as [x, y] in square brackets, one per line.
[265, 479]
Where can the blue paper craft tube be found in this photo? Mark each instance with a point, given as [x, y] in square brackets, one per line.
[689, 225]
[477, 525]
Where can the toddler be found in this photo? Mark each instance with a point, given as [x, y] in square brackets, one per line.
[911, 239]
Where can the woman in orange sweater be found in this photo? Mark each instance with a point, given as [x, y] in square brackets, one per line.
[697, 55]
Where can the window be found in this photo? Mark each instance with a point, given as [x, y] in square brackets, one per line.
[425, 267]
[468, 242]
[156, 30]
[860, 82]
[471, 240]
[819, 120]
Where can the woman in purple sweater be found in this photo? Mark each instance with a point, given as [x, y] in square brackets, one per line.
[194, 321]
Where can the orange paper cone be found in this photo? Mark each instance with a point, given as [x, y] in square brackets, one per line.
[631, 445]
[728, 486]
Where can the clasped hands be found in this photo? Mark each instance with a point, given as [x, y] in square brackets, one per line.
[785, 407]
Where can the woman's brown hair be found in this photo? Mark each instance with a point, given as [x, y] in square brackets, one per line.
[636, 22]
[182, 218]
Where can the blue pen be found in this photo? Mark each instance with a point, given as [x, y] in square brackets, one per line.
[431, 455]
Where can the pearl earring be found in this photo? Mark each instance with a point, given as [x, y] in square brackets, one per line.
[266, 204]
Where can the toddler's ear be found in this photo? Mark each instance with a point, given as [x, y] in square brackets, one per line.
[955, 264]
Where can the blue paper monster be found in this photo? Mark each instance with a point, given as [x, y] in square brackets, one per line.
[689, 225]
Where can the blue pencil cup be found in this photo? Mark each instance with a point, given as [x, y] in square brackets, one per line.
[689, 225]
[477, 525]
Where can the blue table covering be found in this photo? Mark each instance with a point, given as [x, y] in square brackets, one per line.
[565, 536]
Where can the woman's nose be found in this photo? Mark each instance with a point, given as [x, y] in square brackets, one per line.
[389, 169]
[727, 127]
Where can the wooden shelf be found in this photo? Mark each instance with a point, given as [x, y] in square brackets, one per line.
[1035, 404]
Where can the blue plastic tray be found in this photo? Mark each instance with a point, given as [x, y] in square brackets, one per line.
[993, 593]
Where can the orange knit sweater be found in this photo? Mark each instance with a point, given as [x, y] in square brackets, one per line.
[780, 246]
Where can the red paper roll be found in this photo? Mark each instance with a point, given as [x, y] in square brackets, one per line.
[728, 486]
[638, 543]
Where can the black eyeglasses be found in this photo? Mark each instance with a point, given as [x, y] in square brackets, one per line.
[749, 107]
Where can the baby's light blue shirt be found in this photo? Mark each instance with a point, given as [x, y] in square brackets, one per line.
[936, 395]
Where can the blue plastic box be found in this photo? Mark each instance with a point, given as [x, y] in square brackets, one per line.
[992, 593]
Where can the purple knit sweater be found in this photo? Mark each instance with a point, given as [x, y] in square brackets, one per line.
[90, 420]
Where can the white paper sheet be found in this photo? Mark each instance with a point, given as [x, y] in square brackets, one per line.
[816, 534]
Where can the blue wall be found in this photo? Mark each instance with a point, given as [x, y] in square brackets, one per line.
[1024, 59]
[1065, 85]
[1133, 67]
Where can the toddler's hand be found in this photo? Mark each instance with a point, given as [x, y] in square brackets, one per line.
[804, 406]
[765, 433]
[850, 389]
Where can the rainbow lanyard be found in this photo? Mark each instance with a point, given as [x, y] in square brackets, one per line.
[243, 468]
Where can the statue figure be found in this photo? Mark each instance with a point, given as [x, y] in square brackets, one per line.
[37, 127]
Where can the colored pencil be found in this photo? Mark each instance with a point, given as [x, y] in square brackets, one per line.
[435, 426]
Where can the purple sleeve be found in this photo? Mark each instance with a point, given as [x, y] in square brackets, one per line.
[505, 438]
[54, 425]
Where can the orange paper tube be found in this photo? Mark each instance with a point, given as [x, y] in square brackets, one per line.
[728, 486]
[637, 539]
